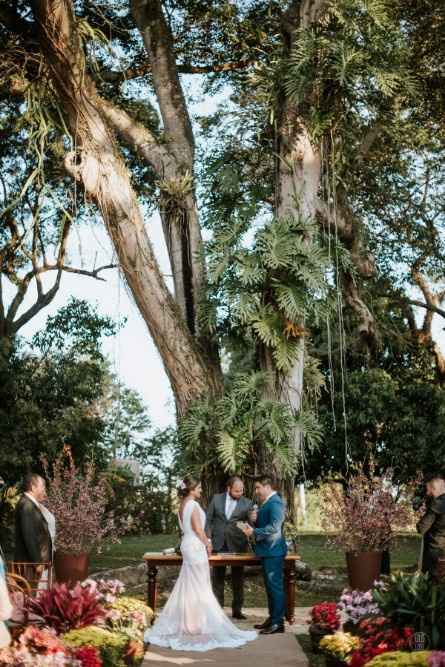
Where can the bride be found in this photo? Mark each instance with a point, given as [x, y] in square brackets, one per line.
[192, 619]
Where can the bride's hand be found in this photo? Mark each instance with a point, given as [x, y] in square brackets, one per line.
[209, 548]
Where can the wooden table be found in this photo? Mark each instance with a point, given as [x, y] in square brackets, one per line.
[156, 560]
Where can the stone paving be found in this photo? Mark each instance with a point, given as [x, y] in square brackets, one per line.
[267, 651]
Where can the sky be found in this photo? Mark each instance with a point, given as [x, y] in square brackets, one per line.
[132, 352]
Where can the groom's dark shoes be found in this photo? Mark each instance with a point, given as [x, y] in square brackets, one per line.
[266, 624]
[239, 616]
[273, 629]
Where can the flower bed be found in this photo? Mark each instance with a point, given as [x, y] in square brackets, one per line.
[91, 625]
[388, 624]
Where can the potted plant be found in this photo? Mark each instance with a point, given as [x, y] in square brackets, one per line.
[338, 647]
[364, 512]
[78, 499]
[325, 620]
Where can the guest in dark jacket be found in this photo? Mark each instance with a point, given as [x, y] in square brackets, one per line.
[432, 527]
[33, 542]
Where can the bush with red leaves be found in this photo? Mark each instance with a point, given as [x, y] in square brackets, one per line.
[67, 609]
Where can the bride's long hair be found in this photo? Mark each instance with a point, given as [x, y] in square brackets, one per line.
[187, 485]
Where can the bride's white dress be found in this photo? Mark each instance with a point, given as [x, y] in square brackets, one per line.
[192, 619]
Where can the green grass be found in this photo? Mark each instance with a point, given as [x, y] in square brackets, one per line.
[314, 660]
[312, 548]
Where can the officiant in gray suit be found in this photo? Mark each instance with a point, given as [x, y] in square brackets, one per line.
[224, 511]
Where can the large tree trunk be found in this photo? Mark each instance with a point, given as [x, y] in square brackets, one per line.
[97, 165]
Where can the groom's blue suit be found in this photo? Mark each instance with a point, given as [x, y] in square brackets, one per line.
[270, 546]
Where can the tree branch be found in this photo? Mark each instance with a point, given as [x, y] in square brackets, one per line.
[158, 40]
[139, 138]
[113, 76]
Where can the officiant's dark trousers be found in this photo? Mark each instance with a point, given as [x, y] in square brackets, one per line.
[218, 578]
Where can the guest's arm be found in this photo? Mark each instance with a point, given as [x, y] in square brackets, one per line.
[426, 522]
[276, 520]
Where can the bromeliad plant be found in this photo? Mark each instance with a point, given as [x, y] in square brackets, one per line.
[64, 609]
[364, 512]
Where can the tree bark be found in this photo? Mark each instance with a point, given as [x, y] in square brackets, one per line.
[97, 165]
[179, 213]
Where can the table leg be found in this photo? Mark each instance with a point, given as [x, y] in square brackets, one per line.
[152, 587]
[289, 586]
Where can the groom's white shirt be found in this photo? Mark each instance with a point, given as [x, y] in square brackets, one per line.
[274, 493]
[230, 505]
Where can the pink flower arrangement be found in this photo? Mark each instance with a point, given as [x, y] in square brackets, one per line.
[78, 499]
[365, 513]
[36, 648]
[436, 659]
[106, 589]
[356, 605]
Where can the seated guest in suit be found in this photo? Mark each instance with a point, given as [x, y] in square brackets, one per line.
[224, 511]
[270, 547]
[33, 543]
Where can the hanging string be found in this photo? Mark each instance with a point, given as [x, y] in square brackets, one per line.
[327, 232]
[342, 336]
[117, 368]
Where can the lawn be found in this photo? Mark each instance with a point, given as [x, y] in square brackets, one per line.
[312, 549]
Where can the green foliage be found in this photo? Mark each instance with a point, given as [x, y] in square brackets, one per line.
[274, 286]
[245, 424]
[113, 646]
[402, 659]
[414, 601]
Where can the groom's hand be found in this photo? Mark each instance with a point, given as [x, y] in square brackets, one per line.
[248, 531]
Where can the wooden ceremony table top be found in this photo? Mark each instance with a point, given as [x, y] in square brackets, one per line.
[158, 558]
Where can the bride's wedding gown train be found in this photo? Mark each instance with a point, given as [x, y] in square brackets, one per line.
[192, 619]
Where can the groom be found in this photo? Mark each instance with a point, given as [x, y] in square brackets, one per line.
[270, 546]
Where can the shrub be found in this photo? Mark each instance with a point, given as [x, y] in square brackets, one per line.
[65, 609]
[78, 500]
[116, 650]
[365, 513]
[414, 600]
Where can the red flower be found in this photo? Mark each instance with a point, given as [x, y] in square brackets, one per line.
[88, 656]
[326, 616]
